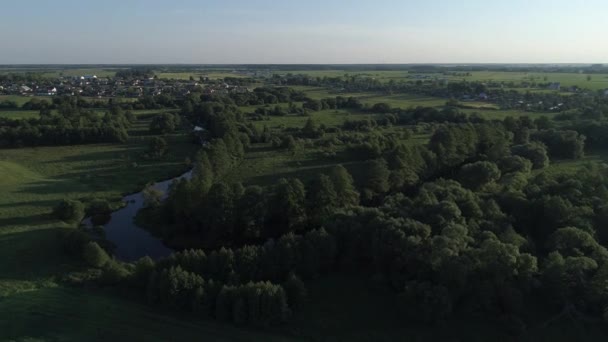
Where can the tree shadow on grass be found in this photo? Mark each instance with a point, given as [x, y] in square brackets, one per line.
[27, 221]
[33, 254]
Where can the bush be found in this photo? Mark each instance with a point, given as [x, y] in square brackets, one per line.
[98, 207]
[157, 148]
[295, 290]
[94, 255]
[114, 273]
[69, 211]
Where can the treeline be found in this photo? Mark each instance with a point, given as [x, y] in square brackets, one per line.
[69, 125]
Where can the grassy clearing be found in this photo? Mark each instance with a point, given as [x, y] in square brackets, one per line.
[20, 100]
[572, 166]
[19, 114]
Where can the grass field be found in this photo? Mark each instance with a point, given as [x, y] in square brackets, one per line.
[19, 114]
[598, 81]
[212, 75]
[58, 72]
[32, 181]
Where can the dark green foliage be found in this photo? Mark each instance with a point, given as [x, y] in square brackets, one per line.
[72, 124]
[157, 147]
[164, 123]
[426, 302]
[535, 152]
[98, 207]
[376, 178]
[287, 206]
[343, 184]
[295, 290]
[322, 199]
[459, 225]
[562, 144]
[94, 255]
[70, 211]
[476, 175]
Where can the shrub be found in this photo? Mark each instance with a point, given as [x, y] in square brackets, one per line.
[94, 255]
[69, 211]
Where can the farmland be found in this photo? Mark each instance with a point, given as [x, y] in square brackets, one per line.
[597, 82]
[33, 287]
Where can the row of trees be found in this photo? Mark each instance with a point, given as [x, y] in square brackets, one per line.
[70, 125]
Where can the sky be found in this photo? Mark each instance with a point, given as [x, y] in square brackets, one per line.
[302, 31]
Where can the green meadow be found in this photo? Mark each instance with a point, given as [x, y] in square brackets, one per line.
[597, 82]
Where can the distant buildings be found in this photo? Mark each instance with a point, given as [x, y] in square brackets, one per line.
[555, 86]
[46, 91]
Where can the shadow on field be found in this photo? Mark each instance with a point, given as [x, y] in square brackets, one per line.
[28, 204]
[33, 254]
[29, 221]
[97, 156]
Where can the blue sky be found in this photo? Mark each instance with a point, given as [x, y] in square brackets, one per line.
[311, 31]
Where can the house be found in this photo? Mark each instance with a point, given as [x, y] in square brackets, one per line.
[25, 89]
[46, 91]
[606, 92]
[483, 96]
[555, 86]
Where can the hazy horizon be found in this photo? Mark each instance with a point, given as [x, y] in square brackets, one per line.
[311, 32]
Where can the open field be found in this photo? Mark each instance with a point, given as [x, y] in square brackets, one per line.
[212, 75]
[19, 114]
[598, 81]
[58, 72]
[484, 109]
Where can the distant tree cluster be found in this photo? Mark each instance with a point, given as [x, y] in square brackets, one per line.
[70, 125]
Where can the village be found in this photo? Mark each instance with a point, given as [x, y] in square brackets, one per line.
[103, 87]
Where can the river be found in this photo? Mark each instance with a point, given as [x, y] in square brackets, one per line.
[131, 241]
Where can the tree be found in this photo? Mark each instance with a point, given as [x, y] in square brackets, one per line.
[535, 152]
[287, 207]
[220, 157]
[344, 186]
[152, 196]
[322, 199]
[310, 129]
[157, 147]
[69, 211]
[376, 177]
[164, 123]
[252, 210]
[94, 255]
[295, 290]
[476, 175]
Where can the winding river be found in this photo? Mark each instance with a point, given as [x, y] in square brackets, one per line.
[133, 242]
